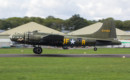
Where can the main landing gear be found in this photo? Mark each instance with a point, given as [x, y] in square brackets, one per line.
[95, 49]
[65, 47]
[37, 50]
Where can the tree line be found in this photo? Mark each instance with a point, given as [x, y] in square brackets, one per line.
[73, 23]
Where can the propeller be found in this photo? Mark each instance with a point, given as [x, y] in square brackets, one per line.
[28, 36]
[24, 39]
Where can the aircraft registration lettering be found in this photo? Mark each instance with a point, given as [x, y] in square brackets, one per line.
[66, 41]
[107, 30]
[83, 42]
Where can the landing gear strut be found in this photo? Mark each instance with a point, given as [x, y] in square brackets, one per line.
[37, 50]
[95, 49]
[65, 47]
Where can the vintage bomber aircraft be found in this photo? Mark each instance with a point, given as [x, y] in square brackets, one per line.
[106, 35]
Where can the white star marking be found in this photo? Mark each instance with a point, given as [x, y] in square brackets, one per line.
[72, 41]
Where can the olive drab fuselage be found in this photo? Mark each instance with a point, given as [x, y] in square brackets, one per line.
[34, 38]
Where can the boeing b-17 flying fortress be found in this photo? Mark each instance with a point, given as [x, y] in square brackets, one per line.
[106, 35]
[64, 40]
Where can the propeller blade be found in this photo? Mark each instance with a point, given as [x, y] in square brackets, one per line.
[24, 38]
[28, 36]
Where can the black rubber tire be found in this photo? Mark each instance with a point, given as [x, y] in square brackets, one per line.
[65, 47]
[72, 46]
[37, 50]
[95, 49]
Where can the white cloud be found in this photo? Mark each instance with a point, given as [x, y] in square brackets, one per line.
[41, 7]
[11, 8]
[3, 4]
[57, 8]
[94, 9]
[100, 9]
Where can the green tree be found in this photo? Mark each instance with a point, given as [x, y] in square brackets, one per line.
[15, 21]
[5, 25]
[37, 20]
[76, 22]
[126, 25]
[119, 24]
[53, 22]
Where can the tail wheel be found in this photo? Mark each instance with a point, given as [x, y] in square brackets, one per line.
[95, 49]
[37, 50]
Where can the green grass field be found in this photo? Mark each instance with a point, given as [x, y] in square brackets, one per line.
[64, 68]
[69, 51]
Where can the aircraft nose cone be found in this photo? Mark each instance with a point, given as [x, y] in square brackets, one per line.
[11, 37]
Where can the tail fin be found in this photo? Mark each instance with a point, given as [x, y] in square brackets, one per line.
[106, 31]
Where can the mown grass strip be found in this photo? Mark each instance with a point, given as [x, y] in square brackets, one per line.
[64, 69]
[69, 51]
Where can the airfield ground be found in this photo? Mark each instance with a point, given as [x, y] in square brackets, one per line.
[64, 68]
[69, 51]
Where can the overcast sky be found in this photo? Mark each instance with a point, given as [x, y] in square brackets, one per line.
[88, 9]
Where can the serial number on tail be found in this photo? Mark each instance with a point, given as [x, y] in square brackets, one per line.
[107, 30]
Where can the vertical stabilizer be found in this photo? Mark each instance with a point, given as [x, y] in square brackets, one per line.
[106, 31]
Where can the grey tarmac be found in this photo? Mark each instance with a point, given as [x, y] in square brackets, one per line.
[66, 55]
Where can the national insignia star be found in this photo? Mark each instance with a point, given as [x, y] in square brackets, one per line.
[72, 41]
